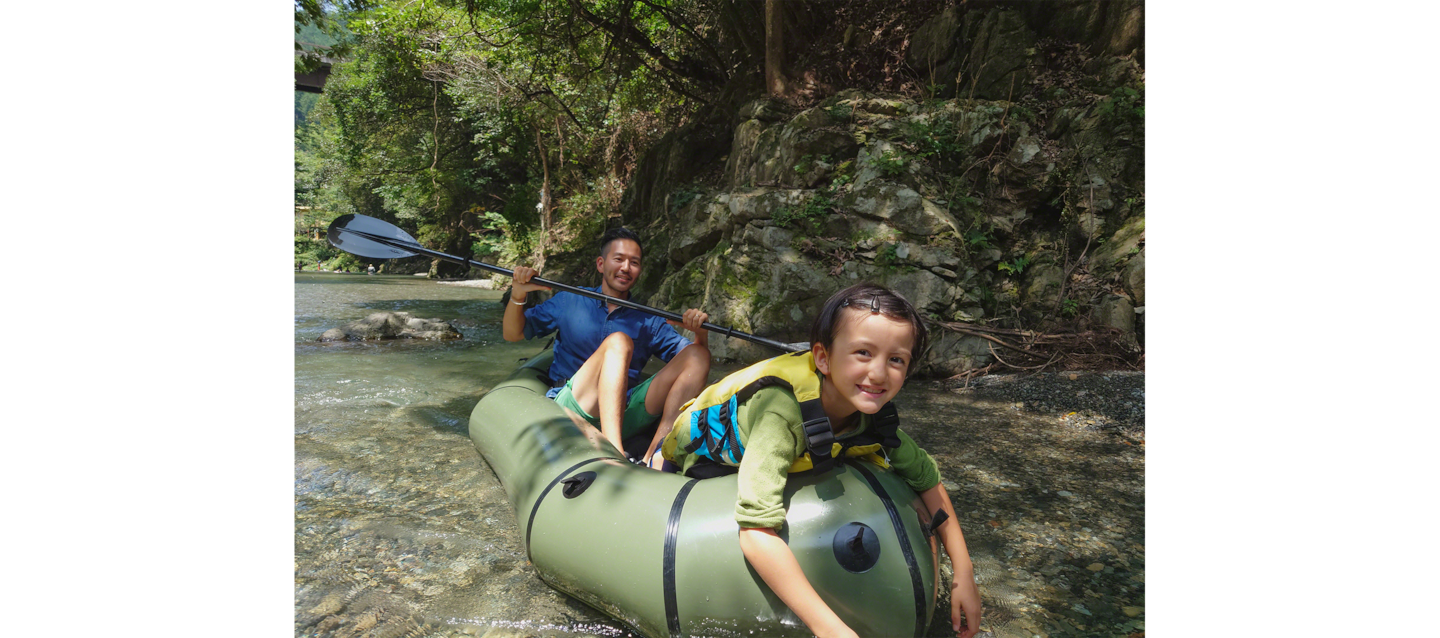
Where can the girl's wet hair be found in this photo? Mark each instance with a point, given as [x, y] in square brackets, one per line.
[869, 298]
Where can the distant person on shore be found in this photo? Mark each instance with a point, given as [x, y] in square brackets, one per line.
[600, 349]
[370, 270]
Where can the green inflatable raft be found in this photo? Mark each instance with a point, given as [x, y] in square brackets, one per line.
[661, 553]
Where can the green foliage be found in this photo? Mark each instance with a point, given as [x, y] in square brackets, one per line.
[979, 239]
[841, 112]
[1069, 308]
[934, 137]
[886, 257]
[501, 240]
[890, 163]
[1122, 105]
[807, 216]
[585, 212]
[440, 110]
[1014, 266]
[684, 195]
[1022, 113]
[320, 30]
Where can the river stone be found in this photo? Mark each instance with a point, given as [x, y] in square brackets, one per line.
[391, 325]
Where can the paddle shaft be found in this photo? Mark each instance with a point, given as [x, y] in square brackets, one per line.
[722, 330]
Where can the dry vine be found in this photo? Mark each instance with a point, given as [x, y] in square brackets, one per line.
[1096, 348]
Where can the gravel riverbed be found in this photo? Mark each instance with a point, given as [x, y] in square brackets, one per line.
[1047, 475]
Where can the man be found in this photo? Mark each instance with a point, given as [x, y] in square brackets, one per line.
[601, 348]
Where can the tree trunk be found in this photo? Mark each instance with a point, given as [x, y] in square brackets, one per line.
[545, 206]
[775, 82]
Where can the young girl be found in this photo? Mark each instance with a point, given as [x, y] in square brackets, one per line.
[771, 419]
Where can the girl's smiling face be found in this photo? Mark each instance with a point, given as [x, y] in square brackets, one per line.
[866, 365]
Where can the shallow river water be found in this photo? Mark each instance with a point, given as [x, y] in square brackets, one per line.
[402, 530]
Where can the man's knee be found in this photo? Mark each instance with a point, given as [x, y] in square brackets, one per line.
[617, 342]
[695, 357]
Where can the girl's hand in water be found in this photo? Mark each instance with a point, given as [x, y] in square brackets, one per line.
[965, 595]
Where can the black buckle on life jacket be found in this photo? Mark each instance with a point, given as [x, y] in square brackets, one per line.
[819, 436]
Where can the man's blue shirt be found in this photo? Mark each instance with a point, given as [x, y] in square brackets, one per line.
[583, 323]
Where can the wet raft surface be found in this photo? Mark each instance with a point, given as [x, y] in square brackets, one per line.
[402, 530]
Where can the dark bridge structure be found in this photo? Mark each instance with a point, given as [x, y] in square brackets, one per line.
[313, 81]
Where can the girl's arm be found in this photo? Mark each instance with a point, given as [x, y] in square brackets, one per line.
[776, 564]
[963, 593]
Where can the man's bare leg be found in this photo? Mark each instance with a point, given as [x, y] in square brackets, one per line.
[600, 383]
[679, 381]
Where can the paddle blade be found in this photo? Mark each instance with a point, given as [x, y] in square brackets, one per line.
[369, 237]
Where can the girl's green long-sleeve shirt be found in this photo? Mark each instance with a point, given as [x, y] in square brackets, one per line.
[772, 433]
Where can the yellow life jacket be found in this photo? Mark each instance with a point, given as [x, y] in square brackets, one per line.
[715, 433]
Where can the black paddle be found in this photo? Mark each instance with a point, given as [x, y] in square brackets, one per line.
[376, 239]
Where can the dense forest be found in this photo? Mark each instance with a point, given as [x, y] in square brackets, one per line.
[985, 158]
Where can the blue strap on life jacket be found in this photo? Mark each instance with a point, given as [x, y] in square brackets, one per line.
[714, 433]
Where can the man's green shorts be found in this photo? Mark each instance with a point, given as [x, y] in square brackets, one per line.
[633, 421]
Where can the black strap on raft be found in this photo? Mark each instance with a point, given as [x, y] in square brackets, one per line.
[704, 468]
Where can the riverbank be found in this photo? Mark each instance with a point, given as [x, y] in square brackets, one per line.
[483, 284]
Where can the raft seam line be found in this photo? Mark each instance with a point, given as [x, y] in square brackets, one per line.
[535, 509]
[672, 538]
[915, 579]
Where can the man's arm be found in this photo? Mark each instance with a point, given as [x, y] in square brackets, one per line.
[513, 328]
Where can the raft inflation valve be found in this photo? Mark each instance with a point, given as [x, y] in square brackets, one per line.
[576, 485]
[857, 548]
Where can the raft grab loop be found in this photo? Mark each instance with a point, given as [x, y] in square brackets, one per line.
[857, 547]
[935, 522]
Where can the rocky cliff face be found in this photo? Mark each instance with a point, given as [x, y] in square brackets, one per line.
[1011, 194]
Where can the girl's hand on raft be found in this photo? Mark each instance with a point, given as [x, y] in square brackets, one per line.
[965, 595]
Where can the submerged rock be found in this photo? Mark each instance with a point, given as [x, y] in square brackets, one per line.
[391, 325]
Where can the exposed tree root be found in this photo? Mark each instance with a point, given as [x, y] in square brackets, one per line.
[1096, 348]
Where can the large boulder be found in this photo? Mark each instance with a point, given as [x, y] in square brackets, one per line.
[391, 325]
[974, 54]
[798, 153]
[952, 353]
[901, 208]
